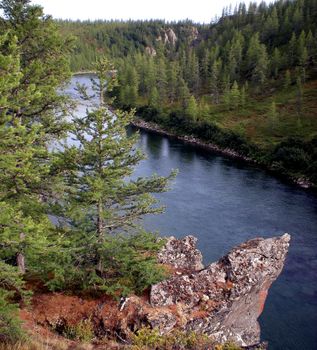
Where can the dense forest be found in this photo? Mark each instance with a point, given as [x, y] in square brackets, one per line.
[247, 81]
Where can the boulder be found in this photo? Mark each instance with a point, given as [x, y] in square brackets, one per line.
[225, 299]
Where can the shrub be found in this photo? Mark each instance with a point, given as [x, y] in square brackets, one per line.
[10, 324]
[82, 331]
[147, 338]
[11, 286]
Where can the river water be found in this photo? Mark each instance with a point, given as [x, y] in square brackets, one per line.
[225, 202]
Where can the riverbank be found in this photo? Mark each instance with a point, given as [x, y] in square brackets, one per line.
[156, 128]
[89, 72]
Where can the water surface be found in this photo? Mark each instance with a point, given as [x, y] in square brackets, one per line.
[225, 202]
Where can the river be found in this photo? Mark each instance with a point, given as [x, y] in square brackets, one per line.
[225, 202]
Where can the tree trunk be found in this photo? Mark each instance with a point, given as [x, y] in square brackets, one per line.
[21, 262]
[99, 219]
[20, 258]
[100, 233]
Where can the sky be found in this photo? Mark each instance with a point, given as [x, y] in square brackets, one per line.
[202, 11]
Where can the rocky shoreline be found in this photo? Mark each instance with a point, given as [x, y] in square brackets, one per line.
[153, 127]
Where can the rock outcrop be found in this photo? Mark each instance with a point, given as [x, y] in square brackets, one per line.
[168, 37]
[181, 254]
[225, 299]
[222, 300]
[150, 51]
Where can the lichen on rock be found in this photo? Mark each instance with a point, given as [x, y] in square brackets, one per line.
[231, 292]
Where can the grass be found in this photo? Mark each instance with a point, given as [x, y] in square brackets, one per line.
[255, 123]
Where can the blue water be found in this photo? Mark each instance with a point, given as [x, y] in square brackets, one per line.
[225, 202]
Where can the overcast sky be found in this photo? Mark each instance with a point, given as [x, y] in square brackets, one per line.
[196, 10]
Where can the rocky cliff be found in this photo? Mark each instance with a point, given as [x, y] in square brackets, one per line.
[222, 300]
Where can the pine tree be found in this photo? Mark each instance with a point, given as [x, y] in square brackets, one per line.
[192, 109]
[103, 201]
[44, 65]
[25, 168]
[257, 60]
[154, 99]
[183, 93]
[287, 80]
[215, 80]
[243, 96]
[292, 49]
[276, 62]
[33, 67]
[235, 95]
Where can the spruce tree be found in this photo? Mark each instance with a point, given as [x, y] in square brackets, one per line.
[192, 109]
[103, 201]
[34, 65]
[44, 65]
[235, 95]
[287, 80]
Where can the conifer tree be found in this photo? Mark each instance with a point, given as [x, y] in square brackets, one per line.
[24, 164]
[154, 99]
[103, 201]
[287, 79]
[215, 80]
[34, 64]
[235, 95]
[44, 65]
[192, 108]
[243, 96]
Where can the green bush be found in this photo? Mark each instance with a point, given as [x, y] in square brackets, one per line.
[128, 265]
[82, 331]
[10, 324]
[147, 338]
[11, 287]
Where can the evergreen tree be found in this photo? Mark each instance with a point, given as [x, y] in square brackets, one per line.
[192, 109]
[257, 60]
[292, 49]
[183, 93]
[25, 176]
[235, 95]
[215, 80]
[287, 80]
[276, 62]
[44, 65]
[154, 100]
[102, 201]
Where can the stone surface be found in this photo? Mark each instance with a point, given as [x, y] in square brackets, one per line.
[225, 299]
[170, 37]
[150, 51]
[181, 254]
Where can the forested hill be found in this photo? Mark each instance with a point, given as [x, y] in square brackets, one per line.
[247, 81]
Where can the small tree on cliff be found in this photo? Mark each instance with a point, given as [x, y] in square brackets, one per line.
[103, 199]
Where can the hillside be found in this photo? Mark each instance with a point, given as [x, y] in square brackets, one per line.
[251, 73]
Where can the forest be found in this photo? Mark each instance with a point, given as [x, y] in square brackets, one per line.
[247, 81]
